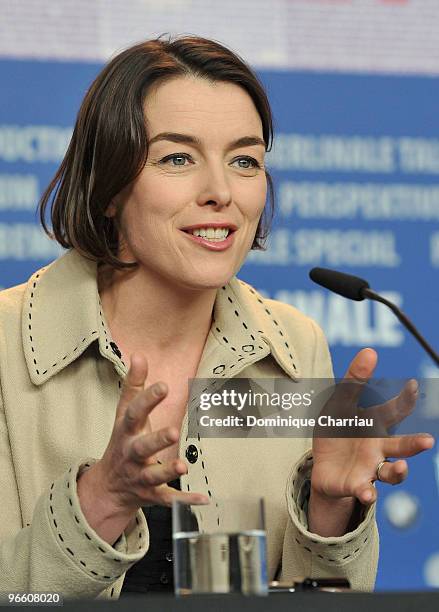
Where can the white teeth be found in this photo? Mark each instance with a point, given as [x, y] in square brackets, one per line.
[215, 234]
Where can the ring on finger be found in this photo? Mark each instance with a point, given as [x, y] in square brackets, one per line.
[378, 469]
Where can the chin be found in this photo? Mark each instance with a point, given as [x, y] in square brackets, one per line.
[207, 281]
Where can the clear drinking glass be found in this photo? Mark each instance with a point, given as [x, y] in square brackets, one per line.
[220, 548]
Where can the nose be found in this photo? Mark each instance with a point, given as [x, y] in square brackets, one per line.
[215, 189]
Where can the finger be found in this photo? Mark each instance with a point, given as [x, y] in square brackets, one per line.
[394, 472]
[141, 406]
[398, 408]
[407, 446]
[366, 494]
[145, 446]
[168, 495]
[157, 474]
[362, 366]
[134, 381]
[358, 373]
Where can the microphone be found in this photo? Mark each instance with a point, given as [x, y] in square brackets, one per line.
[348, 286]
[358, 289]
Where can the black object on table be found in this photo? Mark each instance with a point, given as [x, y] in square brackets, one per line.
[284, 602]
[154, 573]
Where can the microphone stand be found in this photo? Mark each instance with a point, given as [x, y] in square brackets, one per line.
[373, 295]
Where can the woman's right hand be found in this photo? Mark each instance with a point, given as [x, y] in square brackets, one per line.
[128, 475]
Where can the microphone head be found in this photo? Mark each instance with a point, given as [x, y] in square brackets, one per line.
[346, 285]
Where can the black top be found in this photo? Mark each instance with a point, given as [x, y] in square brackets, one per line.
[154, 572]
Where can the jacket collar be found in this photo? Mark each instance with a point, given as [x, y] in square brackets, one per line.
[252, 332]
[62, 316]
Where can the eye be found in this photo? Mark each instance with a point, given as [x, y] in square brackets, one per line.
[177, 159]
[246, 163]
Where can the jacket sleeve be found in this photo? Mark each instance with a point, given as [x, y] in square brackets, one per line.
[353, 556]
[58, 551]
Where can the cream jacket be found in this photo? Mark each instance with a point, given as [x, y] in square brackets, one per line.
[60, 381]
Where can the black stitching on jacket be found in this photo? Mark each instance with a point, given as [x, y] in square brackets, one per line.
[102, 550]
[31, 336]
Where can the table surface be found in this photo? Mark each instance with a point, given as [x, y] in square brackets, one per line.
[282, 602]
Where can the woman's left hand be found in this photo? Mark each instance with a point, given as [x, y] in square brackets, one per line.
[344, 469]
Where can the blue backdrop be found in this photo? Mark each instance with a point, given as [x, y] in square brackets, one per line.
[355, 166]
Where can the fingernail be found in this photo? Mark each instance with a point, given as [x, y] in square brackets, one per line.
[414, 385]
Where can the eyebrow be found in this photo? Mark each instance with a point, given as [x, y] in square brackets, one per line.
[245, 141]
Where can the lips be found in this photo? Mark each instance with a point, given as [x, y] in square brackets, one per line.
[212, 236]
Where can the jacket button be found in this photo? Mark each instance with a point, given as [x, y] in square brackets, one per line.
[164, 579]
[169, 557]
[115, 349]
[192, 453]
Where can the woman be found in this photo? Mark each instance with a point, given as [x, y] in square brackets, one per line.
[159, 198]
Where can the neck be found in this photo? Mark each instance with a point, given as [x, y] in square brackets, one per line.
[149, 314]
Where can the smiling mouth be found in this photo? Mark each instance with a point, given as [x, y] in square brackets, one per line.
[211, 234]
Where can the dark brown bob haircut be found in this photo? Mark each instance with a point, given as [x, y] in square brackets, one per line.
[109, 146]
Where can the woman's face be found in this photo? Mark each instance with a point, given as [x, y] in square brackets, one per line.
[191, 215]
